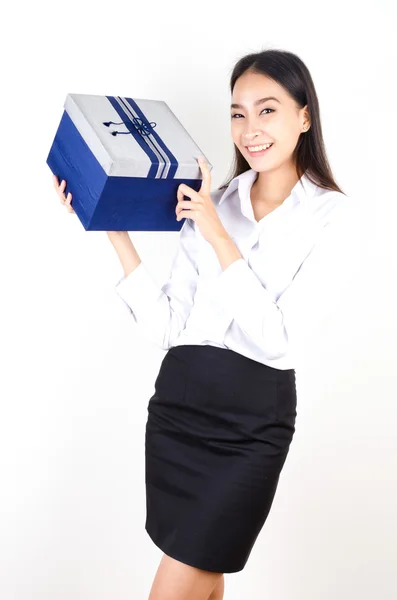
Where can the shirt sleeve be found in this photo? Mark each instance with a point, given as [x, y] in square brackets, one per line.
[315, 291]
[162, 311]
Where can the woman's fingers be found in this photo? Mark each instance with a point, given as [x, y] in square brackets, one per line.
[60, 188]
[68, 203]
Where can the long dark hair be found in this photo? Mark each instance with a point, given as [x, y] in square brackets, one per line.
[288, 70]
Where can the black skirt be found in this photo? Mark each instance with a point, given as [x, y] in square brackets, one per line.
[218, 432]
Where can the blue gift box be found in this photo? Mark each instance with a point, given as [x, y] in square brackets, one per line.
[123, 160]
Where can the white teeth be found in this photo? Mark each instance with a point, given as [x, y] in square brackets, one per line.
[258, 148]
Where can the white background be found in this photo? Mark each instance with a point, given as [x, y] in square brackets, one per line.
[76, 374]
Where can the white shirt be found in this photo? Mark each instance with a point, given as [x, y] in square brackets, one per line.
[297, 262]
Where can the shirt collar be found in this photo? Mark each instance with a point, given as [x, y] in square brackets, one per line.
[303, 189]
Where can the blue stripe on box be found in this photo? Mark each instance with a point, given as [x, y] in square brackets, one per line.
[172, 162]
[172, 159]
[104, 203]
[143, 141]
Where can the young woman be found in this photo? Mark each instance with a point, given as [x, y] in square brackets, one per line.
[260, 262]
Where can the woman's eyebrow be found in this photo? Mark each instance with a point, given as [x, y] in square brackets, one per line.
[260, 101]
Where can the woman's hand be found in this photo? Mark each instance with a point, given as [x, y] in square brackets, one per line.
[66, 201]
[202, 209]
[60, 189]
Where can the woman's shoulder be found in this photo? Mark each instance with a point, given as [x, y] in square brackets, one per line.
[335, 204]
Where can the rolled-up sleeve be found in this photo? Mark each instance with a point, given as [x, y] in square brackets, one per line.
[316, 290]
[162, 311]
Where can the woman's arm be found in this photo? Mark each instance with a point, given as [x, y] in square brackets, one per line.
[125, 249]
[278, 326]
[161, 311]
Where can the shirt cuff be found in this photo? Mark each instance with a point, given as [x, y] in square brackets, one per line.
[138, 289]
[237, 283]
[252, 307]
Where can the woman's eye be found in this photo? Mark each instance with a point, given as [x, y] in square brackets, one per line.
[237, 114]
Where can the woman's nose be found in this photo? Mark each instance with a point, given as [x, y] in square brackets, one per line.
[248, 137]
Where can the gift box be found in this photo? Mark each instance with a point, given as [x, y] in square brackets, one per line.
[123, 160]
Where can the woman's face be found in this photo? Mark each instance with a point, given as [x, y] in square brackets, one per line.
[279, 121]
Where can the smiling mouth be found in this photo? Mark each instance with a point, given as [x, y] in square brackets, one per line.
[259, 152]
